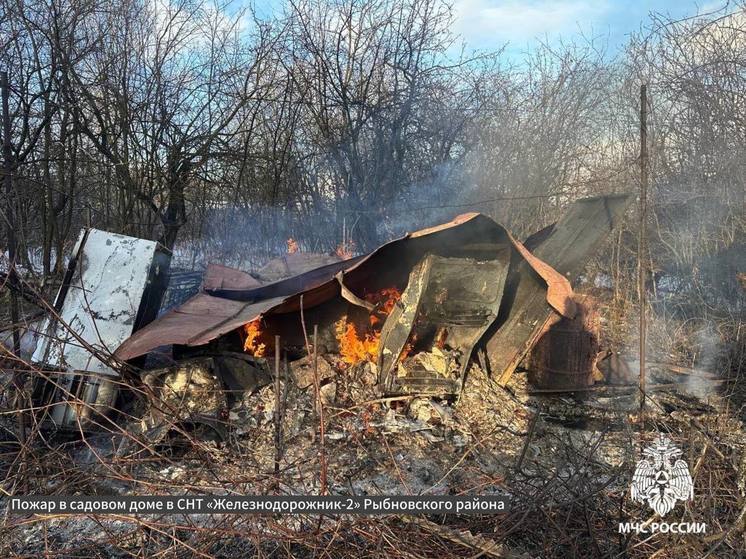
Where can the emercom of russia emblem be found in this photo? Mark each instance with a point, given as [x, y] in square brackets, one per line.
[662, 478]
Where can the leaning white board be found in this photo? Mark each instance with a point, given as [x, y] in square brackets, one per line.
[101, 303]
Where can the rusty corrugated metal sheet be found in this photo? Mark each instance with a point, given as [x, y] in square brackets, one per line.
[208, 316]
[216, 311]
[191, 323]
[294, 264]
[218, 276]
[565, 248]
[287, 286]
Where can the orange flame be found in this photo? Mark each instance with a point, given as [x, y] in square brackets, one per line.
[292, 245]
[384, 300]
[253, 344]
[346, 250]
[352, 348]
[355, 346]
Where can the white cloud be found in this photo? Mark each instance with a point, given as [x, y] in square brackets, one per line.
[493, 22]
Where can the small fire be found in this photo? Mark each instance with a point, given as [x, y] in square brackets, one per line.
[346, 250]
[355, 346]
[384, 301]
[253, 344]
[292, 245]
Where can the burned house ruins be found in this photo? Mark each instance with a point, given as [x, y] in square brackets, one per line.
[300, 384]
[406, 321]
[418, 310]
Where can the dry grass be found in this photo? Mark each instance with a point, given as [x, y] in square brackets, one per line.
[566, 461]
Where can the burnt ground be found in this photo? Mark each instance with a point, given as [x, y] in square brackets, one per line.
[565, 460]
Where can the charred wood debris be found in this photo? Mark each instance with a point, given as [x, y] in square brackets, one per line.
[455, 360]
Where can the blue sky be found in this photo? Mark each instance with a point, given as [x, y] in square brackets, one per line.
[489, 24]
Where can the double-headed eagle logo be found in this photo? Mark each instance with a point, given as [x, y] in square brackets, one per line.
[662, 478]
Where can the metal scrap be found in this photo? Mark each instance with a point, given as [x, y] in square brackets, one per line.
[450, 301]
[211, 314]
[566, 247]
[112, 287]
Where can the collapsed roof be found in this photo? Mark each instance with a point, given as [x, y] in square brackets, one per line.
[539, 282]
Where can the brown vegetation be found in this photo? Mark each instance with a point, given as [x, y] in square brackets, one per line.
[338, 125]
